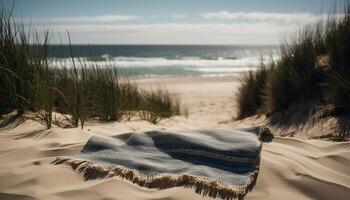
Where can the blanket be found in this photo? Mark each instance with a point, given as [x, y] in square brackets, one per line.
[220, 163]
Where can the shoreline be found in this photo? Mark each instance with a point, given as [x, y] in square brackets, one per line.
[186, 79]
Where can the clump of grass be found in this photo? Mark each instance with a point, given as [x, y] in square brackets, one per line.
[131, 100]
[16, 75]
[298, 76]
[43, 86]
[337, 42]
[249, 96]
[25, 80]
[295, 76]
[87, 93]
[157, 105]
[109, 97]
[72, 99]
[78, 105]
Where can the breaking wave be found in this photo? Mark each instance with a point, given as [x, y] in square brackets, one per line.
[147, 66]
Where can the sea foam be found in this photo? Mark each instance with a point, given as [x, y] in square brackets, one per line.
[166, 66]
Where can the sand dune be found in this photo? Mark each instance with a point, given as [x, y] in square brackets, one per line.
[290, 168]
[299, 169]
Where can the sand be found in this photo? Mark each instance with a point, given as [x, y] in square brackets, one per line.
[291, 168]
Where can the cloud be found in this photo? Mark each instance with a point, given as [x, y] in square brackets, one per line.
[81, 19]
[265, 16]
[225, 28]
[179, 16]
[173, 33]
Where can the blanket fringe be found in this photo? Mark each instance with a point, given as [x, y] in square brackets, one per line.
[202, 185]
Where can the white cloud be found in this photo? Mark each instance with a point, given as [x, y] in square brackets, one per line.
[265, 16]
[174, 33]
[179, 16]
[235, 28]
[81, 19]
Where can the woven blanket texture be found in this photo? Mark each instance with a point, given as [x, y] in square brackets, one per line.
[220, 163]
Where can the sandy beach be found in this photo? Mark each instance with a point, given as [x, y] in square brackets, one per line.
[290, 168]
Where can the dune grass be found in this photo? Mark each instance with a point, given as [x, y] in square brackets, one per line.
[24, 77]
[42, 86]
[157, 105]
[249, 97]
[12, 80]
[80, 92]
[299, 75]
[106, 96]
[337, 42]
[294, 76]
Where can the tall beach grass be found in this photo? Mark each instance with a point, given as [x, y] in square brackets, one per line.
[81, 92]
[314, 66]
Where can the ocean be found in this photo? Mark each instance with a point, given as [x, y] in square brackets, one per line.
[166, 60]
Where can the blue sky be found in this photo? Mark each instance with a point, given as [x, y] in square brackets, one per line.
[169, 21]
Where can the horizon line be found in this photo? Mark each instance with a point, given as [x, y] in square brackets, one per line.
[116, 44]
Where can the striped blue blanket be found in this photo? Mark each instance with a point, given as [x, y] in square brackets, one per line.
[215, 162]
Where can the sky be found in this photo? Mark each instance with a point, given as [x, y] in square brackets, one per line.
[238, 22]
